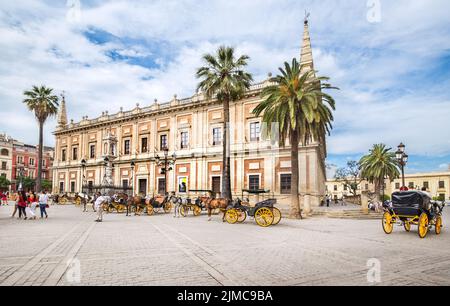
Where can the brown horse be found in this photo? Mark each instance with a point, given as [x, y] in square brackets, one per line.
[138, 202]
[212, 204]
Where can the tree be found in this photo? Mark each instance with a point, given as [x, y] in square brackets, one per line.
[47, 185]
[4, 183]
[42, 102]
[224, 78]
[303, 112]
[349, 176]
[378, 165]
[27, 182]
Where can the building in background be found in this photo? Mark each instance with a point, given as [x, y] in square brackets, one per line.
[6, 156]
[24, 163]
[192, 128]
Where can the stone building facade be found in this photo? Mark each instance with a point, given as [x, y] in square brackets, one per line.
[192, 129]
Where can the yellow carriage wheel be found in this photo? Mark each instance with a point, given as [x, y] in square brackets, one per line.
[78, 201]
[167, 207]
[231, 216]
[150, 210]
[388, 223]
[423, 225]
[438, 225]
[105, 207]
[242, 215]
[407, 226]
[276, 216]
[62, 201]
[264, 217]
[120, 209]
[197, 210]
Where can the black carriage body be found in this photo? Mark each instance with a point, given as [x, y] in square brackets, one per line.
[410, 203]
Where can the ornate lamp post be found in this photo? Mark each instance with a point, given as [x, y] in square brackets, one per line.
[402, 158]
[21, 172]
[83, 169]
[166, 164]
[132, 164]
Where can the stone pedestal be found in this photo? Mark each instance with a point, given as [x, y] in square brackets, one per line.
[306, 204]
[365, 202]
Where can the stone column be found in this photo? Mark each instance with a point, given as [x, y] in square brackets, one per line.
[306, 204]
[365, 202]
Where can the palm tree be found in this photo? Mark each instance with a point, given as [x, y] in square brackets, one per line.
[42, 102]
[303, 112]
[224, 78]
[379, 164]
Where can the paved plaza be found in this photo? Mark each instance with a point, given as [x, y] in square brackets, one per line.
[162, 250]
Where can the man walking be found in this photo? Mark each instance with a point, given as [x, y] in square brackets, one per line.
[43, 203]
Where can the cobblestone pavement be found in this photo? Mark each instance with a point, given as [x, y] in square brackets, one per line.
[162, 250]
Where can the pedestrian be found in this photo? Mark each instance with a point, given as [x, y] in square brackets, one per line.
[99, 206]
[22, 204]
[5, 198]
[32, 204]
[328, 201]
[43, 204]
[16, 207]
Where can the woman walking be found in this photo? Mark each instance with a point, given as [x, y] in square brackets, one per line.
[22, 204]
[32, 200]
[43, 204]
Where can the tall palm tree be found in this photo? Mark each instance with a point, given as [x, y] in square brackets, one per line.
[224, 78]
[303, 112]
[379, 164]
[42, 102]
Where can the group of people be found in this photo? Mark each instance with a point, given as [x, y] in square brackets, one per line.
[4, 197]
[29, 202]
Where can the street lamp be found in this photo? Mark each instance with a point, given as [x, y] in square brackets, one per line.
[402, 159]
[132, 164]
[83, 169]
[21, 172]
[166, 164]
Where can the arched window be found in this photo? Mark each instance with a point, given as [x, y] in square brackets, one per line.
[4, 152]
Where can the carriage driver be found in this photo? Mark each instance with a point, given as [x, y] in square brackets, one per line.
[99, 206]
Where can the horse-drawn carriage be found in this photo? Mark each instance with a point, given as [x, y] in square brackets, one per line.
[413, 207]
[60, 199]
[197, 205]
[264, 212]
[157, 203]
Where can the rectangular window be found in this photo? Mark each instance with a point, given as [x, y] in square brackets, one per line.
[345, 187]
[90, 186]
[217, 136]
[163, 142]
[43, 163]
[144, 145]
[20, 159]
[426, 185]
[61, 187]
[253, 182]
[335, 187]
[92, 151]
[254, 131]
[4, 164]
[184, 140]
[72, 187]
[75, 153]
[397, 185]
[125, 184]
[31, 161]
[285, 183]
[63, 155]
[126, 147]
[161, 186]
[441, 184]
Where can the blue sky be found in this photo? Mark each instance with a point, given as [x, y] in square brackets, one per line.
[391, 60]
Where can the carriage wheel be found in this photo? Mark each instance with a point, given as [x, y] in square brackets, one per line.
[407, 226]
[62, 201]
[105, 208]
[423, 225]
[167, 207]
[77, 201]
[264, 217]
[388, 223]
[150, 210]
[184, 210]
[276, 216]
[231, 215]
[197, 211]
[242, 215]
[120, 209]
[438, 225]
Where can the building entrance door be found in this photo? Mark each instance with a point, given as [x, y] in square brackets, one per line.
[143, 187]
[215, 182]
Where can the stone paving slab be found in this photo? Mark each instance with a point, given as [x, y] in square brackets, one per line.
[162, 250]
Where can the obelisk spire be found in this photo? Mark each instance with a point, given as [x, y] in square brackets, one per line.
[306, 57]
[62, 112]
